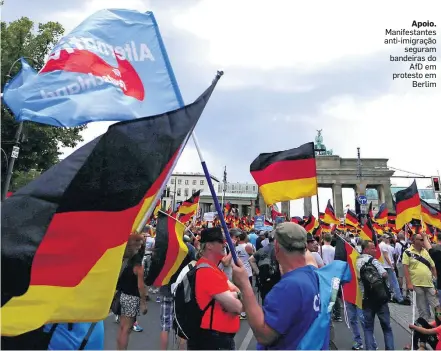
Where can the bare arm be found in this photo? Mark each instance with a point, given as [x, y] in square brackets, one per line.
[264, 334]
[226, 260]
[407, 276]
[427, 244]
[387, 259]
[424, 330]
[229, 302]
[253, 265]
[139, 271]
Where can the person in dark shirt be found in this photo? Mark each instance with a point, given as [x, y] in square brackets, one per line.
[167, 306]
[259, 240]
[435, 254]
[133, 297]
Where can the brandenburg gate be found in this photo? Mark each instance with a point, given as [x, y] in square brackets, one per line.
[337, 173]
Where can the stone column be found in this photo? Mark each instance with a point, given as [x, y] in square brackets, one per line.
[307, 206]
[286, 208]
[338, 200]
[388, 199]
[262, 205]
[253, 208]
[381, 197]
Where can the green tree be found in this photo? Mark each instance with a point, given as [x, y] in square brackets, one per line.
[41, 144]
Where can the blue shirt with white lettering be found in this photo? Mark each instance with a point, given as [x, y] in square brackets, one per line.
[291, 307]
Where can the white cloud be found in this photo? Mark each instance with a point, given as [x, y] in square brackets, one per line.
[302, 35]
[73, 16]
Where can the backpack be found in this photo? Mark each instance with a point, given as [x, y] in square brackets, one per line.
[270, 271]
[403, 248]
[187, 314]
[376, 290]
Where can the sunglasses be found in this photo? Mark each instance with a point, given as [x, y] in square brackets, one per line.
[419, 239]
[437, 313]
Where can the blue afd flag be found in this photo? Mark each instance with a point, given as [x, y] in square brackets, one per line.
[330, 278]
[112, 67]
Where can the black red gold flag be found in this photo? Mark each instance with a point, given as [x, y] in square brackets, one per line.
[368, 233]
[169, 252]
[330, 216]
[286, 175]
[430, 214]
[64, 234]
[351, 290]
[408, 205]
[310, 223]
[189, 207]
[381, 216]
[351, 218]
[321, 216]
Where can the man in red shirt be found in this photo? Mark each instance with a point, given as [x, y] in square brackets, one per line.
[220, 322]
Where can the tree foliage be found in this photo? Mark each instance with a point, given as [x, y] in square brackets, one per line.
[41, 144]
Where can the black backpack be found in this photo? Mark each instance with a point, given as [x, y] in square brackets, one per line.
[188, 315]
[270, 272]
[376, 290]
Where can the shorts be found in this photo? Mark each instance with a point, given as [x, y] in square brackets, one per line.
[130, 305]
[400, 270]
[167, 313]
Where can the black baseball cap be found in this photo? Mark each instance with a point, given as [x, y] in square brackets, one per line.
[210, 235]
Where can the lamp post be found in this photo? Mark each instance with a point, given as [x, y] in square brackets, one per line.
[16, 147]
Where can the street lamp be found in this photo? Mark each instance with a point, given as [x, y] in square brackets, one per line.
[16, 147]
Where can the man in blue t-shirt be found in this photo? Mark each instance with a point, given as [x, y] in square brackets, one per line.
[293, 303]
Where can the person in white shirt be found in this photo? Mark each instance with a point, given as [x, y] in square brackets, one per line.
[401, 246]
[387, 252]
[328, 251]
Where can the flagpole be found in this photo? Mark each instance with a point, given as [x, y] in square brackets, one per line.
[214, 196]
[207, 175]
[144, 220]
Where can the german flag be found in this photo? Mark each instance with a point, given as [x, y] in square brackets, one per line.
[321, 216]
[227, 208]
[381, 216]
[286, 175]
[408, 205]
[169, 252]
[157, 208]
[189, 207]
[430, 215]
[64, 234]
[377, 228]
[310, 224]
[368, 233]
[257, 211]
[351, 219]
[326, 228]
[351, 290]
[330, 216]
[298, 220]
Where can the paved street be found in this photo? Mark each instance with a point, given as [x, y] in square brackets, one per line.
[149, 338]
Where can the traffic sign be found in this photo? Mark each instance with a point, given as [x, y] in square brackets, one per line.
[15, 151]
[362, 200]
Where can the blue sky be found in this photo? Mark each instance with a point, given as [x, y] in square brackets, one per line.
[290, 68]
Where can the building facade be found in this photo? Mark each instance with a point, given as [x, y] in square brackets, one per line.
[181, 186]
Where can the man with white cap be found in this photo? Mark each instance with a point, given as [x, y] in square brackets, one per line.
[282, 324]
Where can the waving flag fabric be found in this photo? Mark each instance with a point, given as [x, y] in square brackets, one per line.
[169, 252]
[64, 234]
[430, 214]
[381, 216]
[286, 175]
[408, 205]
[351, 290]
[189, 207]
[351, 218]
[368, 233]
[330, 216]
[112, 67]
[330, 277]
